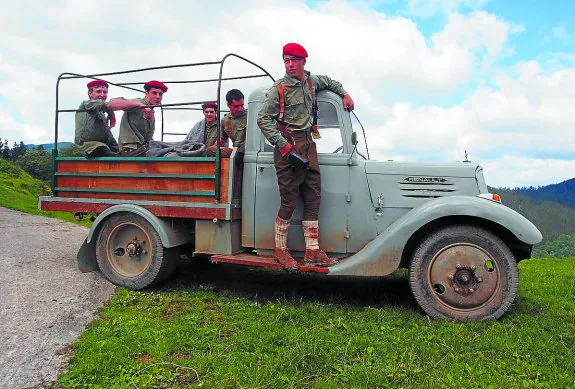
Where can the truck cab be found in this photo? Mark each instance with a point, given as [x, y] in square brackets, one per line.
[460, 244]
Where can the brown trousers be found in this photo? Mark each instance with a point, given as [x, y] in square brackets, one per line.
[294, 182]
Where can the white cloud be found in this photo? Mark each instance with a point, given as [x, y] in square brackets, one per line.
[383, 61]
[477, 33]
[523, 171]
[527, 111]
[13, 131]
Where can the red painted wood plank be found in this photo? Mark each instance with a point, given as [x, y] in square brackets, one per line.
[160, 211]
[260, 261]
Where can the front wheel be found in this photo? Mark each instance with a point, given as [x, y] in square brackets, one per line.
[130, 252]
[463, 273]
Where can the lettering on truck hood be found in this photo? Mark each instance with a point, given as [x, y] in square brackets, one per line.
[410, 184]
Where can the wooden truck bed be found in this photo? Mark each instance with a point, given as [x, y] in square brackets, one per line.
[181, 187]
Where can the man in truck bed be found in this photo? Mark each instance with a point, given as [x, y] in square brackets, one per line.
[206, 130]
[291, 104]
[138, 125]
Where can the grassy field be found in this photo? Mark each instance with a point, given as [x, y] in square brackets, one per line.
[221, 326]
[20, 191]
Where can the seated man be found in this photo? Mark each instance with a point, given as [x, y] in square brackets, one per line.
[234, 125]
[206, 132]
[235, 122]
[138, 123]
[94, 119]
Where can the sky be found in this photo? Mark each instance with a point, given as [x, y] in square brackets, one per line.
[431, 79]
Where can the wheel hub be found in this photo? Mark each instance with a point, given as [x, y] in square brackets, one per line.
[463, 276]
[128, 248]
[464, 281]
[135, 248]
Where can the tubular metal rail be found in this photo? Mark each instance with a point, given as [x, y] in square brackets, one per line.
[174, 106]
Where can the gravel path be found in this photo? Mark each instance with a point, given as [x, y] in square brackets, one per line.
[45, 302]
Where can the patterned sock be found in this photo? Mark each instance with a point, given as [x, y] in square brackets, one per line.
[311, 233]
[281, 232]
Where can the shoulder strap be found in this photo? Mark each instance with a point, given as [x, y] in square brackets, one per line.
[281, 94]
[310, 86]
[314, 131]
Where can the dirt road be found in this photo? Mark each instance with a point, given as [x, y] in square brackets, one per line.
[45, 302]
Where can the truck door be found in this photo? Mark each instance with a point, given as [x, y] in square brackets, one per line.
[333, 157]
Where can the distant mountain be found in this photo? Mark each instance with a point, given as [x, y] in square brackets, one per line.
[50, 146]
[552, 209]
[562, 193]
[552, 218]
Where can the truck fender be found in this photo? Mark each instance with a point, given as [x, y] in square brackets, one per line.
[170, 235]
[382, 255]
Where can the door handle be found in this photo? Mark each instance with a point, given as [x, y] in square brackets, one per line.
[261, 168]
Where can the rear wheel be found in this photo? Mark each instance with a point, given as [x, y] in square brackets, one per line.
[130, 252]
[463, 273]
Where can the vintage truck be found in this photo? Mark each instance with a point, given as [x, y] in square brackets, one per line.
[460, 245]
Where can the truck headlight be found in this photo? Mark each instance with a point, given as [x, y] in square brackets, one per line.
[490, 196]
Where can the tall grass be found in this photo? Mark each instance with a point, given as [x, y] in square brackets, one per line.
[226, 327]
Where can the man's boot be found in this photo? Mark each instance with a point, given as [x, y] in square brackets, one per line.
[281, 252]
[313, 254]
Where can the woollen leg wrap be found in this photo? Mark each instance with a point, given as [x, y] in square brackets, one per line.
[311, 234]
[281, 232]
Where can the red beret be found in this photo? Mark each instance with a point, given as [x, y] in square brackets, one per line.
[155, 84]
[97, 83]
[210, 104]
[295, 49]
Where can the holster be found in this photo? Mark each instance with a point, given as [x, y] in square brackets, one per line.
[297, 160]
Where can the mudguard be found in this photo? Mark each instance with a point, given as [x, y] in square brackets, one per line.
[169, 235]
[382, 255]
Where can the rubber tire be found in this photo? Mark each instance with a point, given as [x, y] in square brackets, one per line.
[172, 259]
[160, 264]
[503, 261]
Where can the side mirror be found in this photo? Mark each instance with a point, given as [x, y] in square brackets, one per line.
[353, 138]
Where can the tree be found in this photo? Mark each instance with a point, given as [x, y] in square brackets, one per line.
[37, 163]
[18, 149]
[6, 150]
[72, 151]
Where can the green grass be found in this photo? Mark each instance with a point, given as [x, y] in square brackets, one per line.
[237, 327]
[20, 191]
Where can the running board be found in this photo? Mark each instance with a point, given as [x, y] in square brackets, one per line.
[260, 261]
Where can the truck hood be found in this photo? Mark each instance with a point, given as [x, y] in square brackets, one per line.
[410, 184]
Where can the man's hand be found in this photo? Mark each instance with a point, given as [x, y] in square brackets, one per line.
[348, 102]
[111, 119]
[286, 149]
[148, 113]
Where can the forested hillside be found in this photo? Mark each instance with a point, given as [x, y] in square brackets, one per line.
[563, 193]
[555, 219]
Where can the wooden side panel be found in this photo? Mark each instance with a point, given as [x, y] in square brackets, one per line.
[188, 186]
